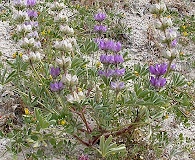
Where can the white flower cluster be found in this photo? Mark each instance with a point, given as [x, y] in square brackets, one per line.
[64, 45]
[56, 6]
[158, 8]
[61, 17]
[30, 43]
[64, 62]
[70, 80]
[20, 16]
[66, 29]
[34, 56]
[24, 28]
[163, 23]
[165, 32]
[75, 97]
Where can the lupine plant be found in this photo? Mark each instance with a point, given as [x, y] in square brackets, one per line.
[90, 99]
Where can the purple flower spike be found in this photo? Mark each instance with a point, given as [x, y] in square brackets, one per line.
[100, 17]
[32, 13]
[107, 73]
[117, 85]
[117, 47]
[174, 43]
[158, 69]
[56, 86]
[119, 72]
[31, 3]
[118, 59]
[100, 28]
[158, 81]
[55, 72]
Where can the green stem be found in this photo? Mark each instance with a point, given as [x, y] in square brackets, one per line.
[169, 67]
[39, 78]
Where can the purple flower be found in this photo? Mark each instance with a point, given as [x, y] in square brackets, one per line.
[100, 28]
[107, 73]
[84, 157]
[31, 3]
[173, 67]
[32, 23]
[117, 85]
[37, 44]
[174, 43]
[117, 47]
[106, 44]
[106, 59]
[158, 69]
[118, 59]
[33, 34]
[55, 72]
[32, 13]
[17, 2]
[119, 72]
[100, 17]
[157, 81]
[56, 86]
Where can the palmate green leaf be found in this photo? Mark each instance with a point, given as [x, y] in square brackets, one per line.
[142, 70]
[89, 46]
[178, 80]
[107, 147]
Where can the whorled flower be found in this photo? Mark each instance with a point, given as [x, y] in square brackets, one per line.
[32, 23]
[166, 22]
[118, 59]
[171, 34]
[107, 59]
[54, 71]
[32, 13]
[19, 3]
[117, 85]
[158, 8]
[35, 56]
[100, 17]
[64, 62]
[100, 28]
[170, 53]
[61, 17]
[174, 43]
[24, 28]
[107, 73]
[75, 97]
[157, 81]
[64, 45]
[20, 16]
[66, 29]
[108, 45]
[27, 42]
[56, 86]
[31, 3]
[56, 6]
[158, 69]
[117, 47]
[119, 72]
[70, 80]
[33, 34]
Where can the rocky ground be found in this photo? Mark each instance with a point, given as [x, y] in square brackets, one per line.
[136, 16]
